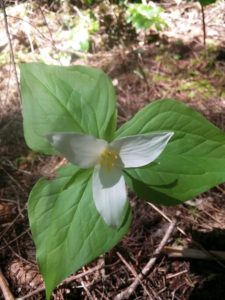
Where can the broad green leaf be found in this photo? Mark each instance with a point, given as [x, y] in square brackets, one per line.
[75, 98]
[193, 161]
[68, 231]
[144, 16]
[206, 2]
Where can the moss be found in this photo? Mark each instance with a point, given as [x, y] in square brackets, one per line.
[195, 87]
[161, 77]
[4, 58]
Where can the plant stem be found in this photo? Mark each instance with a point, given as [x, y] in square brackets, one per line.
[203, 25]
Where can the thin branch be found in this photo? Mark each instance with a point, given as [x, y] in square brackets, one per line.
[2, 5]
[125, 294]
[133, 271]
[167, 218]
[192, 253]
[48, 28]
[5, 288]
[66, 281]
[11, 224]
[15, 239]
[87, 290]
[33, 27]
[13, 179]
[19, 256]
[197, 244]
[203, 25]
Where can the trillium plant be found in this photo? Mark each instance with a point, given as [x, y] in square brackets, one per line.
[109, 159]
[167, 154]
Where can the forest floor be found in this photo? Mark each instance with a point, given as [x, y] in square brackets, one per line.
[170, 64]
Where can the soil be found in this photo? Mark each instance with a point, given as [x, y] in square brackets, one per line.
[171, 64]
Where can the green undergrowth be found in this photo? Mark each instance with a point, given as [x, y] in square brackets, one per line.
[198, 76]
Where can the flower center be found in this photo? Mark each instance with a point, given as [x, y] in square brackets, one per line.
[108, 159]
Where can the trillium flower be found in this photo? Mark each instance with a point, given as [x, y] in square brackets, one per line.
[109, 160]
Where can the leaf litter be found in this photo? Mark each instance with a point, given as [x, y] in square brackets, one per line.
[171, 64]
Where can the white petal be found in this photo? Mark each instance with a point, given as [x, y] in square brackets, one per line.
[82, 150]
[109, 194]
[140, 150]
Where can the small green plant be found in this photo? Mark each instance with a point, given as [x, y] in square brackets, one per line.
[81, 28]
[144, 16]
[167, 154]
[204, 3]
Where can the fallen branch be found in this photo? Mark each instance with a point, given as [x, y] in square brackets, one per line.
[125, 294]
[5, 288]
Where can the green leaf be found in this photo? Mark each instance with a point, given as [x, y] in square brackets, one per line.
[193, 161]
[75, 98]
[206, 2]
[66, 227]
[144, 16]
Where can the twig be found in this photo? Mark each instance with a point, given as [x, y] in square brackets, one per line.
[13, 179]
[33, 293]
[66, 281]
[220, 189]
[125, 294]
[5, 288]
[28, 23]
[19, 256]
[167, 218]
[11, 224]
[15, 239]
[133, 271]
[2, 5]
[213, 218]
[203, 25]
[87, 290]
[48, 28]
[192, 253]
[170, 276]
[197, 244]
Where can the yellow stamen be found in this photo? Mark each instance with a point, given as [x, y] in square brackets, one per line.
[108, 159]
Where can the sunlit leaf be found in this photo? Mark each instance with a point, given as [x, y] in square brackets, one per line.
[193, 161]
[206, 2]
[75, 98]
[67, 229]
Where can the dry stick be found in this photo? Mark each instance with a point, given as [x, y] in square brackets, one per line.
[13, 180]
[66, 281]
[166, 218]
[15, 239]
[198, 245]
[183, 252]
[48, 28]
[203, 25]
[133, 271]
[28, 23]
[87, 290]
[5, 288]
[129, 291]
[213, 218]
[2, 5]
[11, 224]
[19, 256]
